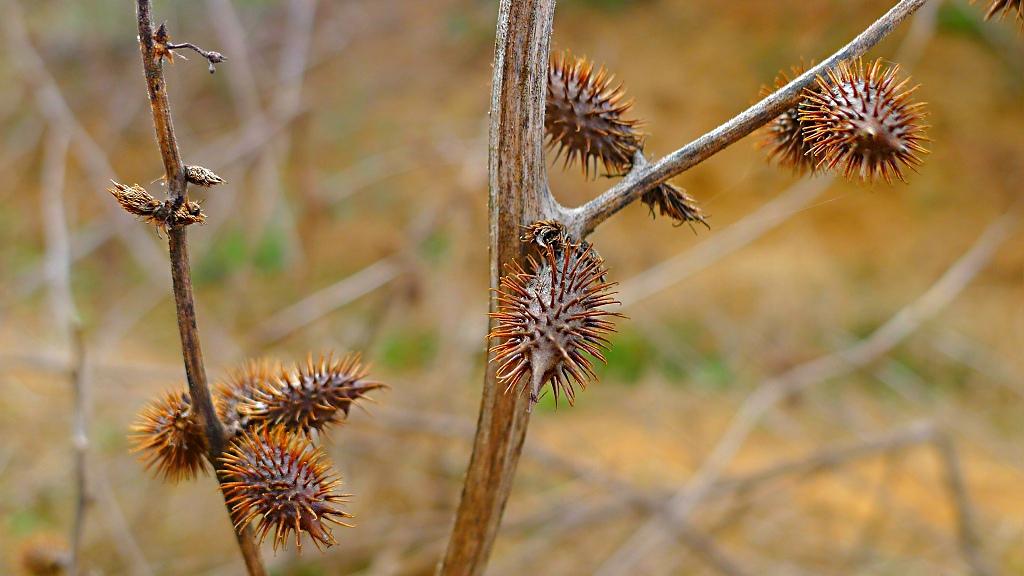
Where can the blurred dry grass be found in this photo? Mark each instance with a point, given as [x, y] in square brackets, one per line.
[378, 149]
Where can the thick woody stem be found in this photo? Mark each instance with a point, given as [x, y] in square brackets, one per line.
[518, 196]
[192, 353]
[583, 220]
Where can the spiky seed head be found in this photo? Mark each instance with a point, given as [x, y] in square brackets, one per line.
[584, 116]
[1005, 8]
[138, 201]
[861, 118]
[239, 388]
[201, 176]
[675, 203]
[552, 321]
[311, 396]
[280, 481]
[168, 436]
[784, 136]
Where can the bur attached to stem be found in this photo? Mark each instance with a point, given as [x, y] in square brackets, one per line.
[784, 136]
[234, 395]
[584, 116]
[861, 119]
[552, 321]
[170, 438]
[311, 396]
[281, 483]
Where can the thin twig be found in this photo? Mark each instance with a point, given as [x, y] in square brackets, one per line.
[581, 221]
[772, 391]
[195, 372]
[967, 533]
[80, 444]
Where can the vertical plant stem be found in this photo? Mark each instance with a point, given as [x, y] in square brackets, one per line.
[191, 350]
[518, 196]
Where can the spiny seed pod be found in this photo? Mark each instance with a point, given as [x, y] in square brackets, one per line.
[286, 482]
[170, 438]
[552, 321]
[234, 394]
[310, 397]
[138, 201]
[202, 176]
[584, 116]
[674, 203]
[1004, 8]
[862, 118]
[784, 136]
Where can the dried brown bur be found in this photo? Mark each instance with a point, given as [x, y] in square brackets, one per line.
[169, 438]
[311, 396]
[861, 119]
[283, 484]
[675, 203]
[553, 321]
[584, 116]
[234, 394]
[784, 136]
[201, 176]
[138, 201]
[1005, 8]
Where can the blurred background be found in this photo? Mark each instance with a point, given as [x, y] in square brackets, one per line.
[862, 343]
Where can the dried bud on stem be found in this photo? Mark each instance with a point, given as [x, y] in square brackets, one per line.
[201, 176]
[168, 437]
[310, 397]
[136, 200]
[861, 118]
[545, 233]
[784, 136]
[675, 203]
[552, 321]
[284, 481]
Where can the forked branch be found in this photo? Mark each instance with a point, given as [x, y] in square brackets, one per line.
[643, 177]
[153, 52]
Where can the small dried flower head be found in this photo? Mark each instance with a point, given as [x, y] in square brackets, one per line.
[284, 484]
[861, 119]
[311, 396]
[170, 438]
[584, 116]
[1005, 8]
[201, 176]
[135, 199]
[784, 136]
[161, 39]
[138, 201]
[239, 388]
[675, 203]
[545, 233]
[551, 322]
[44, 555]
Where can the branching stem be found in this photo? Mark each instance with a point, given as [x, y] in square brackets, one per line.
[192, 353]
[583, 220]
